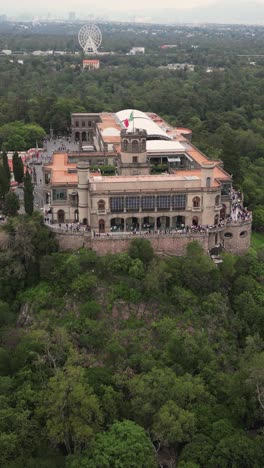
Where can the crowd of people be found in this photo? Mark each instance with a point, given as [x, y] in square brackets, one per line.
[238, 211]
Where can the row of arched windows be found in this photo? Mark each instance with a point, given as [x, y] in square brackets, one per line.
[196, 203]
[134, 145]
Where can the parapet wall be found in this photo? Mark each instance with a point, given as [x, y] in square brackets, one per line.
[163, 244]
[235, 238]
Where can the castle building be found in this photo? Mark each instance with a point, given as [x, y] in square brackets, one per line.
[161, 180]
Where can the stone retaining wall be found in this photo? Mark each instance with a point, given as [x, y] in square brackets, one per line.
[171, 245]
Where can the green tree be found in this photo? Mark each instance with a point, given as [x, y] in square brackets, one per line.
[28, 194]
[173, 425]
[258, 218]
[6, 165]
[142, 249]
[11, 204]
[71, 409]
[124, 445]
[19, 176]
[4, 183]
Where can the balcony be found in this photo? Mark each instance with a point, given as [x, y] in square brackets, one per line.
[218, 207]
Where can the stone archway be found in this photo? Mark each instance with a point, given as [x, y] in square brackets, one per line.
[148, 223]
[101, 226]
[117, 224]
[60, 216]
[132, 224]
[178, 222]
[163, 222]
[223, 211]
[195, 221]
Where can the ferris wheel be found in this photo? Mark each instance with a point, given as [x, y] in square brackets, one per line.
[90, 38]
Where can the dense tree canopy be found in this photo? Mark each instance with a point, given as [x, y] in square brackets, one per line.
[130, 359]
[110, 369]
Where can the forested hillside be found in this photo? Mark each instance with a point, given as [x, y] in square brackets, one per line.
[129, 360]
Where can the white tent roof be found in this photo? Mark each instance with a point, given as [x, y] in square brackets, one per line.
[142, 121]
[164, 146]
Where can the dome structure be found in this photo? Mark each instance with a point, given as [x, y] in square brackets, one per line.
[141, 121]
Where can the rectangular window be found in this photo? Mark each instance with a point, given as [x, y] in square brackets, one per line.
[77, 123]
[178, 202]
[132, 203]
[116, 204]
[83, 123]
[163, 202]
[59, 194]
[135, 159]
[72, 171]
[148, 203]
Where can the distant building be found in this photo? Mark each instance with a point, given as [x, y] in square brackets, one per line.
[137, 51]
[168, 46]
[92, 64]
[7, 51]
[72, 16]
[213, 69]
[179, 66]
[38, 53]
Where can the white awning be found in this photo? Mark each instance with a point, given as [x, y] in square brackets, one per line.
[174, 160]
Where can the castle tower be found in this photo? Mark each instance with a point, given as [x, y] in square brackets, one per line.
[83, 192]
[133, 153]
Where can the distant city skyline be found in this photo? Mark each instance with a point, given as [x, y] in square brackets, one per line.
[171, 11]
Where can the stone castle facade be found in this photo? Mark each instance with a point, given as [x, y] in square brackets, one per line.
[192, 198]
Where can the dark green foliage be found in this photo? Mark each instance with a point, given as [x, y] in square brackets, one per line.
[11, 204]
[6, 165]
[4, 176]
[18, 168]
[178, 352]
[28, 194]
[124, 444]
[4, 183]
[141, 249]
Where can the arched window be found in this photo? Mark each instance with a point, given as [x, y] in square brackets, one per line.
[101, 205]
[217, 200]
[196, 202]
[143, 145]
[125, 145]
[134, 146]
[195, 221]
[77, 136]
[208, 181]
[83, 136]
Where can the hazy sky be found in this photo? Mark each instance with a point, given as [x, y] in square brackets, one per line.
[62, 7]
[84, 5]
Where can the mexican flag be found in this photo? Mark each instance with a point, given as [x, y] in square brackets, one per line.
[130, 119]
